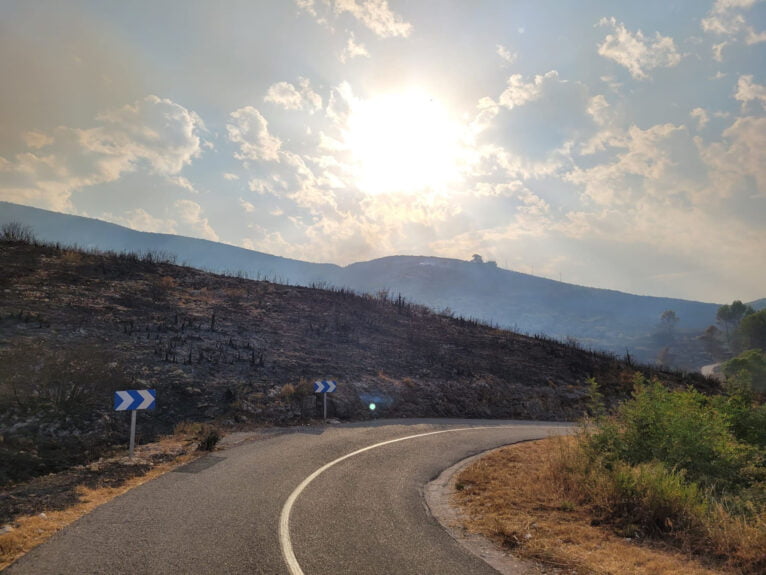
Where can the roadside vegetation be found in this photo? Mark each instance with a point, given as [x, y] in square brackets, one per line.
[672, 469]
[670, 480]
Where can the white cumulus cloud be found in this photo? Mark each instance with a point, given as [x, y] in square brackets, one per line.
[190, 214]
[506, 55]
[353, 49]
[290, 97]
[701, 116]
[285, 95]
[728, 18]
[519, 92]
[747, 91]
[155, 135]
[375, 15]
[250, 130]
[636, 52]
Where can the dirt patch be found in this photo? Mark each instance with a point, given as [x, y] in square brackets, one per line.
[507, 497]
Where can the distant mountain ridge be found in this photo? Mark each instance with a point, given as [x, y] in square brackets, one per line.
[598, 318]
[90, 233]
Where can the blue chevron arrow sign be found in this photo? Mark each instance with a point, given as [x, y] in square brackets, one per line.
[134, 399]
[324, 386]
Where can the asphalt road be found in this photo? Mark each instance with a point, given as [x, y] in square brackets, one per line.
[363, 513]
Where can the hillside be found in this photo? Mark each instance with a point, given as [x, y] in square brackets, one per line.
[598, 318]
[75, 327]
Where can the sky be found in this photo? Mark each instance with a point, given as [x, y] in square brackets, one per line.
[612, 144]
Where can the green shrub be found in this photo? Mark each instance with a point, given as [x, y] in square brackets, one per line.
[680, 465]
[681, 429]
[656, 498]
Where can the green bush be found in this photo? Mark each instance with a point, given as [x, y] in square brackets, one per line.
[681, 429]
[656, 498]
[677, 464]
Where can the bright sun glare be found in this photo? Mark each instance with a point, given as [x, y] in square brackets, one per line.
[403, 142]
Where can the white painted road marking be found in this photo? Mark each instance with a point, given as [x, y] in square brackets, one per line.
[284, 517]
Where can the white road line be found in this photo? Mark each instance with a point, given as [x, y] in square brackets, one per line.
[284, 518]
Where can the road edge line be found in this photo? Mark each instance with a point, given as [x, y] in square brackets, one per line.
[284, 517]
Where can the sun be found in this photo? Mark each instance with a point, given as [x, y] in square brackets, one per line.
[403, 142]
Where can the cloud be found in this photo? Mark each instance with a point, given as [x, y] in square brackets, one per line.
[610, 132]
[153, 129]
[519, 92]
[353, 49]
[141, 220]
[748, 91]
[153, 134]
[37, 140]
[635, 52]
[718, 51]
[701, 116]
[59, 65]
[247, 206]
[506, 55]
[287, 96]
[250, 130]
[727, 18]
[669, 195]
[339, 105]
[739, 160]
[539, 137]
[190, 215]
[375, 15]
[661, 161]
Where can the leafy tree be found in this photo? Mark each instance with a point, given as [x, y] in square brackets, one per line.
[477, 259]
[730, 315]
[751, 333]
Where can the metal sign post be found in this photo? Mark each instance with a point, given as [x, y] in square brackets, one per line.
[324, 387]
[132, 400]
[132, 432]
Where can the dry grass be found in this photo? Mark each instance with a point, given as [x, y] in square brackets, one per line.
[511, 496]
[30, 531]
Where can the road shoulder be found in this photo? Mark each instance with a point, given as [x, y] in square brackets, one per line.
[438, 494]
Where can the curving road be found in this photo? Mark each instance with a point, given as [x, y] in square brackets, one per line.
[323, 500]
